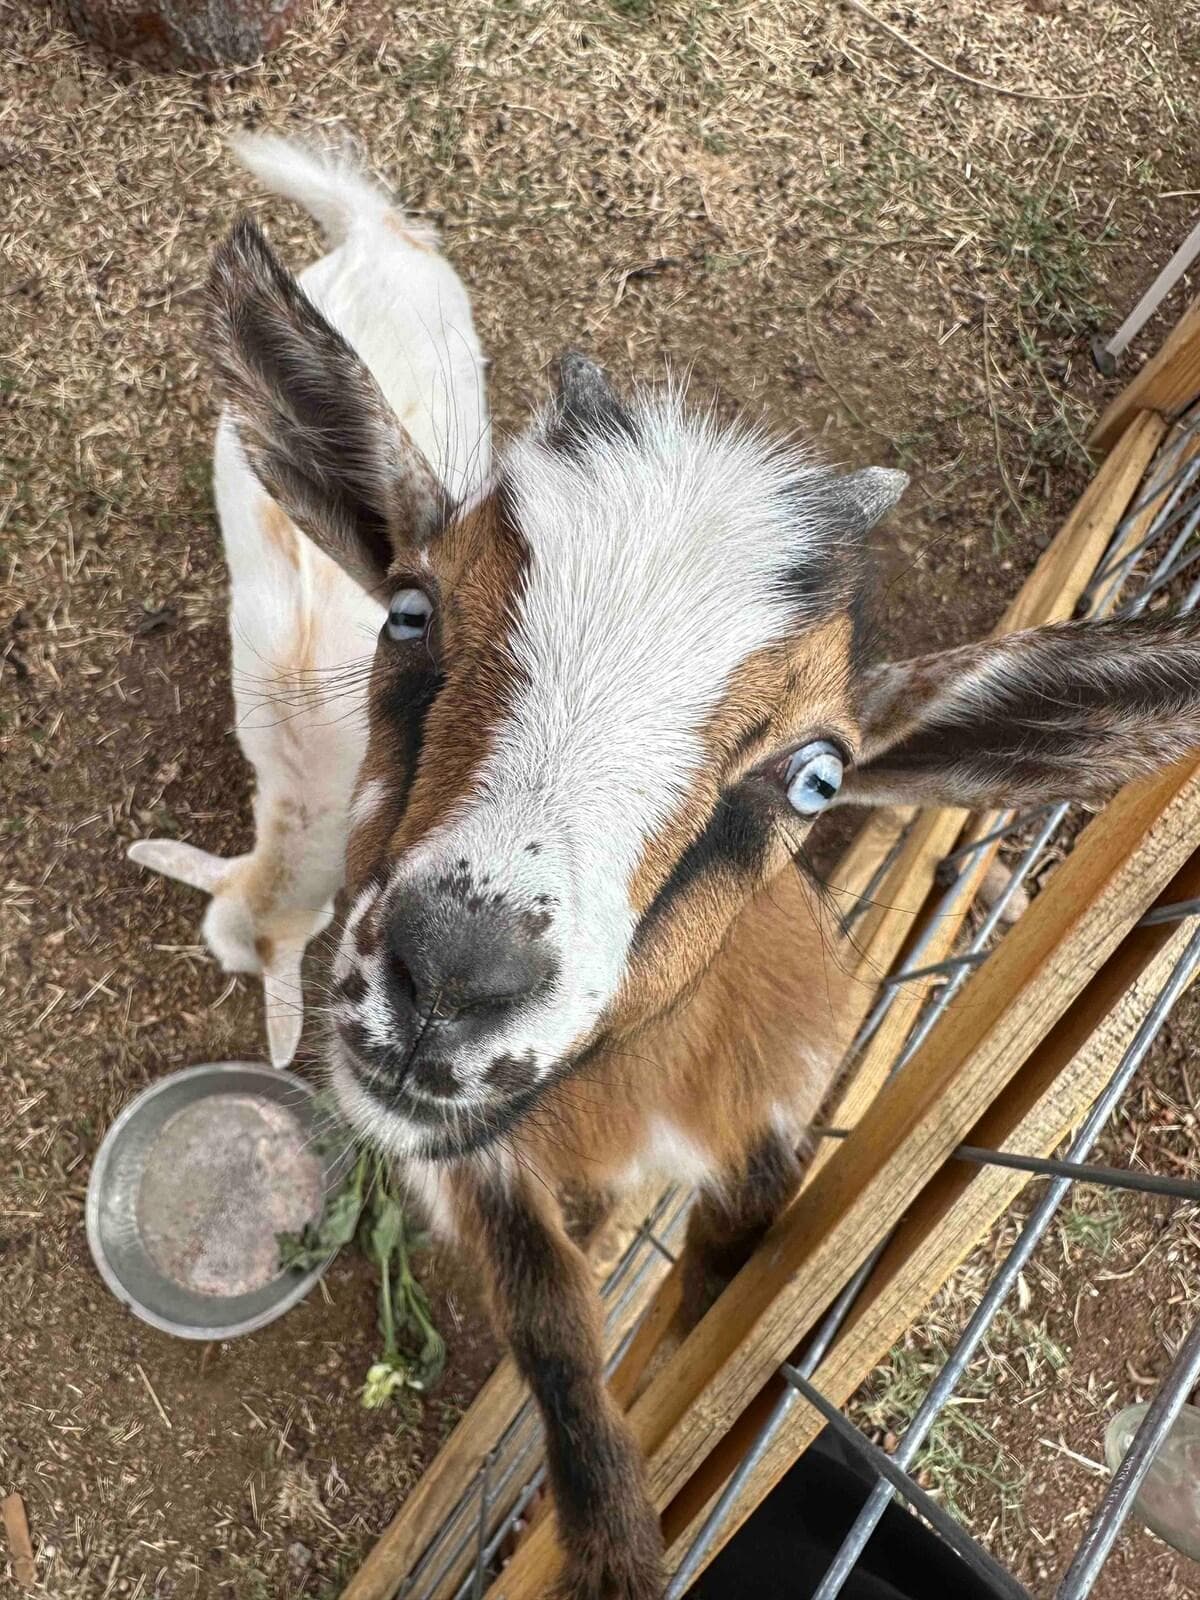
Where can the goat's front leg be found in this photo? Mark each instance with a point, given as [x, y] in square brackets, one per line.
[545, 1304]
[728, 1221]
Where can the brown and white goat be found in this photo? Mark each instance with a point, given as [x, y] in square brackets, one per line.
[613, 692]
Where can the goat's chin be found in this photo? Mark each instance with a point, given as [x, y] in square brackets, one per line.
[459, 1133]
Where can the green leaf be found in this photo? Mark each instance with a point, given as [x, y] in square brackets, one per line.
[340, 1218]
[335, 1228]
[300, 1252]
[387, 1229]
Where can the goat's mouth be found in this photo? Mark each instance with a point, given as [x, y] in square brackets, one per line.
[407, 1121]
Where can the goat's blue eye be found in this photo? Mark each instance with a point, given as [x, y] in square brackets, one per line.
[408, 615]
[814, 776]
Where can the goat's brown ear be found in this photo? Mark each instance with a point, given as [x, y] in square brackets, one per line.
[312, 420]
[1068, 712]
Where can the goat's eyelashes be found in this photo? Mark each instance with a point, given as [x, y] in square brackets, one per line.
[409, 613]
[813, 777]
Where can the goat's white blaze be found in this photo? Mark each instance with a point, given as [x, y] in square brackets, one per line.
[658, 564]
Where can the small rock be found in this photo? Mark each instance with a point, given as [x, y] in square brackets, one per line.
[154, 621]
[66, 92]
[299, 1559]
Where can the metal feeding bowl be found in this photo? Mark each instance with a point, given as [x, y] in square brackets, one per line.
[1168, 1501]
[190, 1189]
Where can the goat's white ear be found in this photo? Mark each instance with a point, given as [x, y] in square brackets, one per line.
[199, 869]
[284, 1001]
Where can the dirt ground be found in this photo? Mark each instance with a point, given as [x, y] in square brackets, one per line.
[902, 257]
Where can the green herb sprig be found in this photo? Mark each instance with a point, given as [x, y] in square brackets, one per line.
[366, 1207]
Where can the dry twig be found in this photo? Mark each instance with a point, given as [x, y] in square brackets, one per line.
[965, 77]
[16, 1526]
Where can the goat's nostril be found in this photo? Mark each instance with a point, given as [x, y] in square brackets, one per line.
[400, 978]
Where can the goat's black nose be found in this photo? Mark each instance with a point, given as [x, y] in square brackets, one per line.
[449, 959]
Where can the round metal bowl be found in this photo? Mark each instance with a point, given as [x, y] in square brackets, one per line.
[192, 1185]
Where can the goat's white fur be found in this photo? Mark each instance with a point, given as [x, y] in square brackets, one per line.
[303, 632]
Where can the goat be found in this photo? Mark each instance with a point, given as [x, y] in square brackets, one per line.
[613, 692]
[299, 621]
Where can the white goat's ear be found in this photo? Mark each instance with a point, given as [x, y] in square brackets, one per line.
[313, 422]
[1067, 712]
[184, 862]
[284, 997]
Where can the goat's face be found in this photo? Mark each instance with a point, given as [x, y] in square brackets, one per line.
[593, 697]
[609, 699]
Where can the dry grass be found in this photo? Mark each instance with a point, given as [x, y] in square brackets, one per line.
[799, 204]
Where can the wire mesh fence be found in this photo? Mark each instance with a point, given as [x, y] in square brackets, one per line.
[1152, 562]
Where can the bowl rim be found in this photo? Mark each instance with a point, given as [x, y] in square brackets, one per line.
[303, 1282]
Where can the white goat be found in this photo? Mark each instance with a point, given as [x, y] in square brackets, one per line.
[303, 631]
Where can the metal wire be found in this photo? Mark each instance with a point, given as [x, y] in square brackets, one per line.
[1047, 1167]
[894, 1476]
[1084, 1172]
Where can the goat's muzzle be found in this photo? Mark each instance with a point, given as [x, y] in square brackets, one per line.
[427, 1013]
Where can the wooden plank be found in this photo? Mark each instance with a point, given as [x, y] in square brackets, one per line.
[20, 1546]
[956, 1211]
[1166, 384]
[1120, 863]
